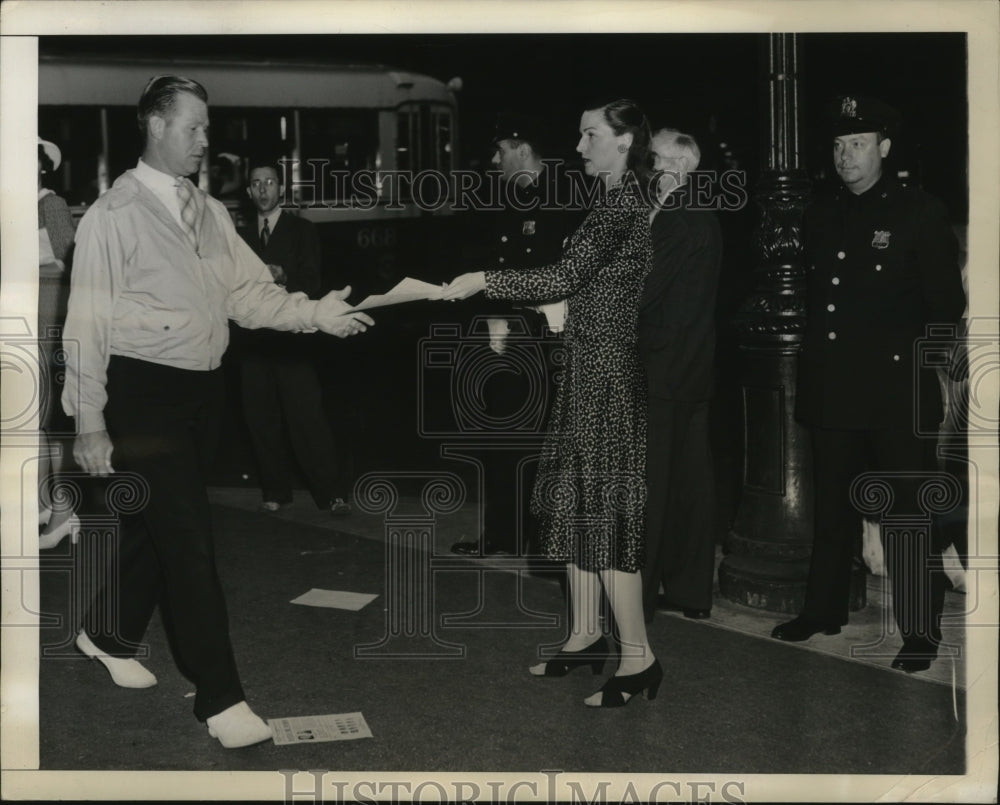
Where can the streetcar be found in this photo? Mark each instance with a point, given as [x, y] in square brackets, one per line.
[332, 124]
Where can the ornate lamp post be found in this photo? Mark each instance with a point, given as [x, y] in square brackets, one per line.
[768, 548]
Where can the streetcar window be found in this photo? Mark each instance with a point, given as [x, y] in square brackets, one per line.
[423, 139]
[77, 132]
[407, 155]
[124, 141]
[442, 138]
[346, 139]
[100, 142]
[237, 136]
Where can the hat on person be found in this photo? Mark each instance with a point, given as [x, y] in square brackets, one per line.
[856, 114]
[51, 151]
[516, 126]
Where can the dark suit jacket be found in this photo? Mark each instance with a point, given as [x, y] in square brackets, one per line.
[293, 245]
[527, 233]
[676, 327]
[882, 266]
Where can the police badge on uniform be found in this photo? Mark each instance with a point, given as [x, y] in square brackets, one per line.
[528, 228]
[881, 239]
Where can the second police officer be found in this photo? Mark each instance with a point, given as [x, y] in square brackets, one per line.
[883, 267]
[536, 218]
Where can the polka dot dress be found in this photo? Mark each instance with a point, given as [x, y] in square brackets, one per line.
[590, 492]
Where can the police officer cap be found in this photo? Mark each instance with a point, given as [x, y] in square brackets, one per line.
[856, 114]
[513, 126]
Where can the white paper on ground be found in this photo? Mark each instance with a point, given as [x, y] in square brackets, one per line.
[406, 290]
[313, 729]
[335, 599]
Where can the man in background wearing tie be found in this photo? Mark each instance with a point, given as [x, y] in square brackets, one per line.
[159, 269]
[282, 400]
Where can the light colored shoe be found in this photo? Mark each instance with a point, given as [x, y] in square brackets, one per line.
[238, 726]
[70, 526]
[125, 673]
[269, 506]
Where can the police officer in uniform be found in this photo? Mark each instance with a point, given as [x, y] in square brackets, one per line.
[883, 265]
[529, 231]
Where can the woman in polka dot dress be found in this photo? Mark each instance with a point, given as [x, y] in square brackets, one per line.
[590, 493]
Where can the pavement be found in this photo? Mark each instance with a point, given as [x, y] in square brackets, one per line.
[436, 666]
[870, 638]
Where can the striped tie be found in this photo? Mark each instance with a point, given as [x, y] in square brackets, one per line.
[190, 212]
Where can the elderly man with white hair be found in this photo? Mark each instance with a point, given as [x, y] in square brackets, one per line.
[676, 331]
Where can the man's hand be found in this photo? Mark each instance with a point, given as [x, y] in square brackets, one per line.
[334, 315]
[92, 451]
[499, 329]
[277, 274]
[464, 286]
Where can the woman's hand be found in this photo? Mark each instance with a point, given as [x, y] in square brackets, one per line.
[465, 285]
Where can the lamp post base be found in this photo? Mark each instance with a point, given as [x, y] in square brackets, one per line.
[777, 586]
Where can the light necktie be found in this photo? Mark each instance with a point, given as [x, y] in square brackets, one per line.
[265, 234]
[188, 198]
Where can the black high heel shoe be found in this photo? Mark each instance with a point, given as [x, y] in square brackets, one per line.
[648, 680]
[593, 655]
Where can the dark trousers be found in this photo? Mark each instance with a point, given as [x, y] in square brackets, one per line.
[508, 479]
[163, 423]
[283, 404]
[917, 589]
[680, 507]
[509, 475]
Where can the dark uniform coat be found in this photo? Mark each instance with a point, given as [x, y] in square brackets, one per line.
[530, 231]
[882, 266]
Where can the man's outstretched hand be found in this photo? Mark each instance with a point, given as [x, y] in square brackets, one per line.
[334, 315]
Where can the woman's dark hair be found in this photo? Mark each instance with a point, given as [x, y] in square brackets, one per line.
[159, 96]
[625, 117]
[47, 164]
